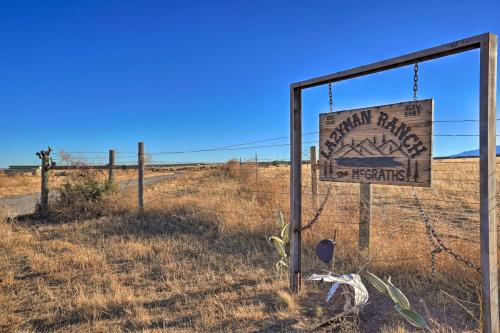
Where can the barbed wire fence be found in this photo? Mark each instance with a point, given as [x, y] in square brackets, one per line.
[429, 222]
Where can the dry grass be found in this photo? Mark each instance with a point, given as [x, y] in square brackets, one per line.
[199, 260]
[18, 185]
[27, 184]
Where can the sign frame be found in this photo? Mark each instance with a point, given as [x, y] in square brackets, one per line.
[487, 44]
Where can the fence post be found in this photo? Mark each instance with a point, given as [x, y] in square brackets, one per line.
[140, 185]
[487, 183]
[111, 164]
[295, 265]
[256, 169]
[365, 212]
[44, 190]
[314, 178]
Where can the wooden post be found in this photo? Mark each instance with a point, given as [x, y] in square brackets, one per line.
[44, 190]
[256, 169]
[314, 178]
[294, 266]
[487, 183]
[111, 164]
[140, 185]
[365, 212]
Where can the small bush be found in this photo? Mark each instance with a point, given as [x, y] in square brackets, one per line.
[82, 196]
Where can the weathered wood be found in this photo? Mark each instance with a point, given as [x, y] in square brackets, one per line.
[111, 164]
[294, 267]
[365, 213]
[487, 146]
[314, 177]
[44, 190]
[388, 144]
[488, 62]
[140, 185]
[404, 60]
[256, 169]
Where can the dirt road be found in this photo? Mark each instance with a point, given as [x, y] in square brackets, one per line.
[25, 204]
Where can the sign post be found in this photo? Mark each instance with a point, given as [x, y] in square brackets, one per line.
[488, 44]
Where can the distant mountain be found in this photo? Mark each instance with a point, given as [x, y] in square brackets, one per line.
[473, 153]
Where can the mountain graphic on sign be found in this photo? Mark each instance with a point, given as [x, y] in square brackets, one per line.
[368, 148]
[367, 154]
[389, 148]
[344, 149]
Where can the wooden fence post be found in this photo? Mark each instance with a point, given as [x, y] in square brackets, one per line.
[111, 164]
[140, 185]
[295, 265]
[44, 190]
[256, 169]
[365, 212]
[314, 178]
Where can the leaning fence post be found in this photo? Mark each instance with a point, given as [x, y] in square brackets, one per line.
[111, 164]
[314, 178]
[140, 185]
[365, 212]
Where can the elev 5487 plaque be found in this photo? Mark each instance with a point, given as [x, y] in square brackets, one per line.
[387, 144]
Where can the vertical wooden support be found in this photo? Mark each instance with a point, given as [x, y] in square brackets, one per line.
[487, 145]
[111, 164]
[365, 212]
[314, 178]
[44, 190]
[140, 185]
[256, 169]
[294, 266]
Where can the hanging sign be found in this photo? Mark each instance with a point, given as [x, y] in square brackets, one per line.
[388, 144]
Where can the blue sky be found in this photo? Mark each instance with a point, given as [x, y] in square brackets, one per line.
[87, 76]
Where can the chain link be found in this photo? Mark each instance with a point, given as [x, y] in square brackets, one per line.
[415, 81]
[437, 242]
[330, 95]
[318, 212]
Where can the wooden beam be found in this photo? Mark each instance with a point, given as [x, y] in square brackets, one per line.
[111, 176]
[365, 214]
[44, 190]
[314, 177]
[140, 177]
[487, 183]
[404, 60]
[294, 266]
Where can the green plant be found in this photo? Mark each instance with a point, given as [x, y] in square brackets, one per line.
[401, 303]
[282, 241]
[82, 196]
[360, 297]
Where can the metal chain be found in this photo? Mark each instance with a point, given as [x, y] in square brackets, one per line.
[318, 212]
[437, 242]
[415, 81]
[330, 95]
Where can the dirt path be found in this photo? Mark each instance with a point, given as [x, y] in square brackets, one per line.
[25, 204]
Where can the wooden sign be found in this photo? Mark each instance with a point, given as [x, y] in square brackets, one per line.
[388, 144]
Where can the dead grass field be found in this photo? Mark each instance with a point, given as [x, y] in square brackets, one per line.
[198, 260]
[27, 184]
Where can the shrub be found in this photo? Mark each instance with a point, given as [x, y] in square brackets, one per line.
[81, 196]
